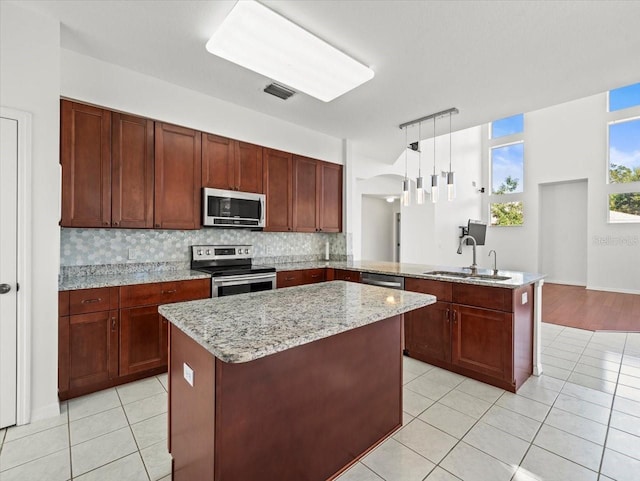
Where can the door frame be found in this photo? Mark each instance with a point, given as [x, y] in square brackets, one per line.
[23, 332]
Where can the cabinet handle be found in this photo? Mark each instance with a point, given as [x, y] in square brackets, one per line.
[113, 323]
[454, 316]
[448, 314]
[288, 228]
[171, 291]
[116, 224]
[91, 301]
[289, 278]
[158, 226]
[315, 276]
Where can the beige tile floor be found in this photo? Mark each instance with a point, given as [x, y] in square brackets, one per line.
[580, 421]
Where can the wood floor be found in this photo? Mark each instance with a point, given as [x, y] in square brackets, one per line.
[578, 307]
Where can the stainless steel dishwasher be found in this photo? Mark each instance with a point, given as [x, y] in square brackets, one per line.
[383, 280]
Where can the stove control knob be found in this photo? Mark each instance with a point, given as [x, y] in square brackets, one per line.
[199, 252]
[208, 252]
[246, 251]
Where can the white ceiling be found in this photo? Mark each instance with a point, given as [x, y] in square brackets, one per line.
[490, 59]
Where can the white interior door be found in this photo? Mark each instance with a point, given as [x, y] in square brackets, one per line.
[8, 269]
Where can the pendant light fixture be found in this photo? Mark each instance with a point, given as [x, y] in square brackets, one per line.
[406, 193]
[420, 192]
[435, 191]
[451, 186]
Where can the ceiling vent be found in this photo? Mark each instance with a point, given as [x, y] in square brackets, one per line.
[279, 91]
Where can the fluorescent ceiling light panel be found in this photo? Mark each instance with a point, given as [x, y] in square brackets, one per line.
[263, 41]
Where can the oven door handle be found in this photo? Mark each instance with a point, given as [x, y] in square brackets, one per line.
[245, 279]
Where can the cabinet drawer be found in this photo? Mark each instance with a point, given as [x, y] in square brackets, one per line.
[497, 298]
[82, 301]
[442, 290]
[289, 278]
[315, 275]
[344, 275]
[164, 292]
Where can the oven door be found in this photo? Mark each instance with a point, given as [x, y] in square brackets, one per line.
[230, 285]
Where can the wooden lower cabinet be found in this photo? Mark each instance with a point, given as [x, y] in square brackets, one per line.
[300, 277]
[491, 341]
[93, 348]
[428, 332]
[114, 335]
[143, 340]
[345, 275]
[482, 341]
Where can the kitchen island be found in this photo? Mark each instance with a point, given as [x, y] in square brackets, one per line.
[291, 384]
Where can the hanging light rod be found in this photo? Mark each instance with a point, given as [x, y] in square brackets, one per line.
[444, 113]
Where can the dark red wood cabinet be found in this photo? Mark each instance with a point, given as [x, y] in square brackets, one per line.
[231, 165]
[277, 173]
[300, 277]
[482, 332]
[107, 168]
[178, 174]
[330, 197]
[85, 155]
[113, 335]
[345, 275]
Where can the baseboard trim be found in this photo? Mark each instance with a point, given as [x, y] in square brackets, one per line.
[44, 412]
[609, 289]
[566, 283]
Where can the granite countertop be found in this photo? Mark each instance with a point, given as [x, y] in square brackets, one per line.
[246, 327]
[127, 279]
[516, 278]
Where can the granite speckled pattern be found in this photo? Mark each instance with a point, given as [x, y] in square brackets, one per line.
[128, 279]
[418, 271]
[246, 327]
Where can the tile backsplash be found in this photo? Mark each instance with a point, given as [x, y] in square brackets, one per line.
[83, 247]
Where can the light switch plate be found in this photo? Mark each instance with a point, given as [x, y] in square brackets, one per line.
[187, 372]
[525, 298]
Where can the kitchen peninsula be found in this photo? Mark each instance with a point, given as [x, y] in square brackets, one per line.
[289, 384]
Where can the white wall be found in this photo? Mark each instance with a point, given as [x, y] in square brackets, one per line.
[563, 232]
[30, 81]
[94, 81]
[377, 230]
[563, 143]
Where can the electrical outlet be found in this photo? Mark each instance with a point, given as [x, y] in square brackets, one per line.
[133, 253]
[525, 298]
[187, 372]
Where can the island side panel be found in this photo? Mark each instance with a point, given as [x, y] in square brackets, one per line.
[191, 414]
[306, 413]
[523, 302]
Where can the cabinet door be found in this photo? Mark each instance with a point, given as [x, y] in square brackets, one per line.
[131, 171]
[482, 340]
[143, 339]
[249, 175]
[305, 188]
[177, 174]
[312, 276]
[92, 348]
[428, 332]
[85, 155]
[217, 162]
[277, 175]
[330, 201]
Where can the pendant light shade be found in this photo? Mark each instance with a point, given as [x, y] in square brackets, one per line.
[451, 186]
[405, 199]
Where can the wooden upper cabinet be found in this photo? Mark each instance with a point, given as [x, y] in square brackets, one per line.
[330, 197]
[85, 155]
[278, 168]
[217, 162]
[132, 162]
[248, 167]
[231, 165]
[177, 177]
[305, 194]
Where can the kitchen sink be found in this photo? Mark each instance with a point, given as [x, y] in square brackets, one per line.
[468, 275]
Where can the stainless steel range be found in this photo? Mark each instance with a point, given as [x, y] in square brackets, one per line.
[231, 270]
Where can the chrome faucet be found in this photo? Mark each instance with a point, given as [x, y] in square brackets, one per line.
[495, 261]
[474, 266]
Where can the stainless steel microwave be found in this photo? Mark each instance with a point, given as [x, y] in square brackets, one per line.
[229, 208]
